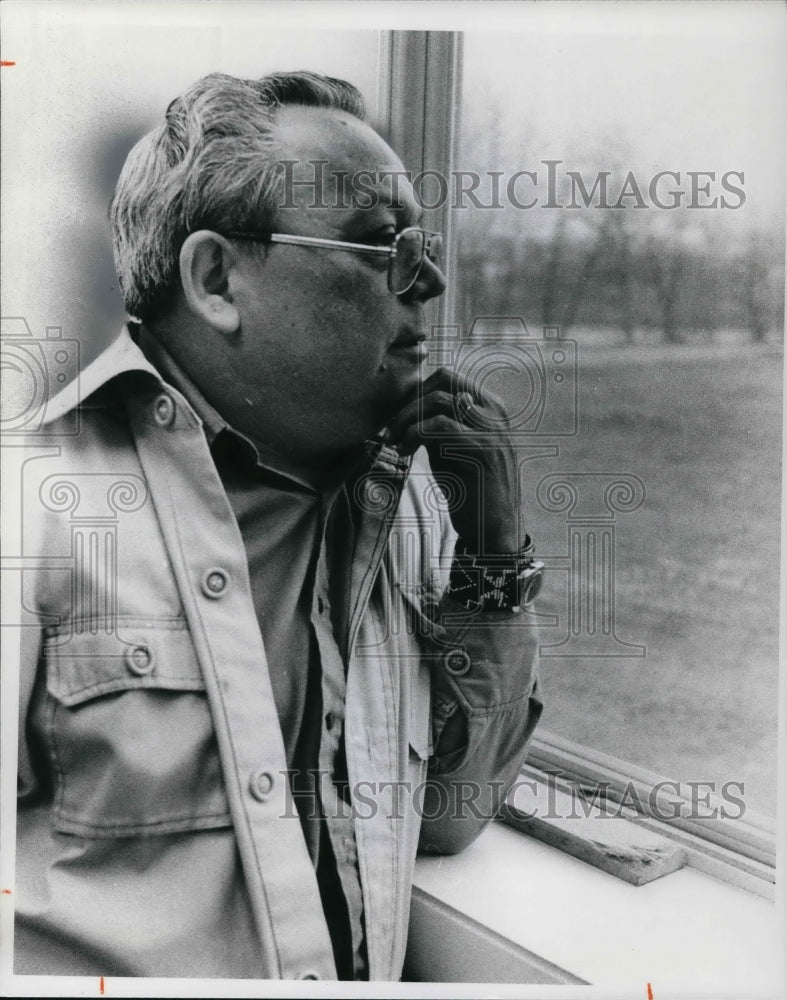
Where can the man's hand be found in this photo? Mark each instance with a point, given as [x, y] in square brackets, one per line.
[466, 433]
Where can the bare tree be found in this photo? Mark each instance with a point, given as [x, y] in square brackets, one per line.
[754, 271]
[666, 258]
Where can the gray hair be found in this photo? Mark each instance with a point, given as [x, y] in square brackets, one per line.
[213, 164]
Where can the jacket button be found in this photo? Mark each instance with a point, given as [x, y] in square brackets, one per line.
[261, 785]
[457, 662]
[309, 974]
[139, 660]
[215, 582]
[164, 410]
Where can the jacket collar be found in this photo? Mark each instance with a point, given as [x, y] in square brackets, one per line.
[122, 356]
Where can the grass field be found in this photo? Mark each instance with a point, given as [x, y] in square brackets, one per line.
[697, 577]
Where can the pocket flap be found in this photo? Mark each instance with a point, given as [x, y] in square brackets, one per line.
[423, 602]
[420, 721]
[81, 666]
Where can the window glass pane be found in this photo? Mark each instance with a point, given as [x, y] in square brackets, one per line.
[658, 515]
[111, 71]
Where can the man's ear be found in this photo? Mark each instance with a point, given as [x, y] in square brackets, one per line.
[205, 263]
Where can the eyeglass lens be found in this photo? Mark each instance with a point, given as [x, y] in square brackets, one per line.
[409, 257]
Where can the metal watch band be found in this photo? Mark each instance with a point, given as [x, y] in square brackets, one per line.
[496, 583]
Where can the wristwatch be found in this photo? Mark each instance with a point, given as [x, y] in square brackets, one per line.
[496, 583]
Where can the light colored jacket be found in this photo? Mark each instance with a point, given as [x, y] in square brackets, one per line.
[156, 830]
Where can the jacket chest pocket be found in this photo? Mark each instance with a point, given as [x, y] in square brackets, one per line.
[130, 734]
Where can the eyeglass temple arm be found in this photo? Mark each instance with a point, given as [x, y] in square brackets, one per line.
[312, 241]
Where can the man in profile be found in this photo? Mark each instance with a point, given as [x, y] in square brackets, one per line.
[283, 660]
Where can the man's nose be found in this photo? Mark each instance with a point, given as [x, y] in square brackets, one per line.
[429, 284]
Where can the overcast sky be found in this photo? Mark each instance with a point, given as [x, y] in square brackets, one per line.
[680, 96]
[686, 85]
[689, 86]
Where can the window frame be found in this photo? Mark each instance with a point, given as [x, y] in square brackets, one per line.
[739, 851]
[419, 109]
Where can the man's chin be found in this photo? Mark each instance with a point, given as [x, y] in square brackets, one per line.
[399, 390]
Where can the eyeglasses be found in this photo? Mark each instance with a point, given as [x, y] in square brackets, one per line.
[406, 254]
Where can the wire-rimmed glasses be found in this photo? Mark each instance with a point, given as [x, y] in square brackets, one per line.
[406, 254]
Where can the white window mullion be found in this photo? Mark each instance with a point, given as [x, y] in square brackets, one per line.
[419, 109]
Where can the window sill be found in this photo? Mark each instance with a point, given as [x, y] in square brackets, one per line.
[511, 909]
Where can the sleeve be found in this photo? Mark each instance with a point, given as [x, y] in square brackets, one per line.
[29, 649]
[23, 543]
[485, 707]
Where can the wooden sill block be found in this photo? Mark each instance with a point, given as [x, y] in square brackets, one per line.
[588, 832]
